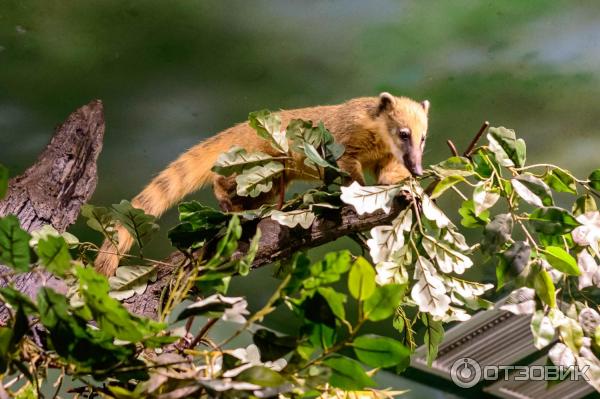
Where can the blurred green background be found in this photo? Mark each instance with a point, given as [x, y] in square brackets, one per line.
[174, 72]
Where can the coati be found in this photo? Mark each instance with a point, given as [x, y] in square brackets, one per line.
[384, 134]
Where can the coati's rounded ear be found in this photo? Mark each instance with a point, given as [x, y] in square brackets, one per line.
[386, 102]
[425, 104]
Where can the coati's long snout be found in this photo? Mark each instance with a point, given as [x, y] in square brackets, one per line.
[412, 161]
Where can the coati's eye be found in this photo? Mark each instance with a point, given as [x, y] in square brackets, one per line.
[404, 133]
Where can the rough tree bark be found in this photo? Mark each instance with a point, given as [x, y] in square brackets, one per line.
[53, 189]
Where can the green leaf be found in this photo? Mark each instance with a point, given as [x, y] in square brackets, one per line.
[433, 336]
[236, 160]
[268, 126]
[446, 183]
[594, 179]
[347, 374]
[228, 244]
[54, 255]
[14, 244]
[300, 131]
[377, 351]
[542, 329]
[244, 264]
[481, 165]
[258, 179]
[561, 182]
[46, 231]
[544, 287]
[497, 233]
[383, 302]
[262, 376]
[584, 204]
[319, 336]
[17, 299]
[20, 327]
[470, 218]
[5, 338]
[561, 260]
[517, 257]
[198, 224]
[299, 268]
[317, 310]
[314, 157]
[69, 333]
[200, 216]
[502, 269]
[571, 333]
[212, 282]
[100, 219]
[361, 281]
[124, 393]
[131, 280]
[139, 224]
[533, 190]
[11, 337]
[3, 181]
[111, 316]
[552, 221]
[453, 166]
[328, 270]
[484, 197]
[273, 346]
[509, 150]
[336, 301]
[308, 139]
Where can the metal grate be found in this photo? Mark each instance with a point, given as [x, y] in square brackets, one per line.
[497, 337]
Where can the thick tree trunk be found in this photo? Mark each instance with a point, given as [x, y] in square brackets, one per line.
[54, 188]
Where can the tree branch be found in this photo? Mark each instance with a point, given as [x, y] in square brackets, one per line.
[277, 242]
[53, 189]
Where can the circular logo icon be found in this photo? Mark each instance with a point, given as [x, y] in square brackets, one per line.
[465, 372]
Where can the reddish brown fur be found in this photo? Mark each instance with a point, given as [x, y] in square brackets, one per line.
[366, 126]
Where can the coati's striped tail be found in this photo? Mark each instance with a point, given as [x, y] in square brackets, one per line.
[185, 175]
